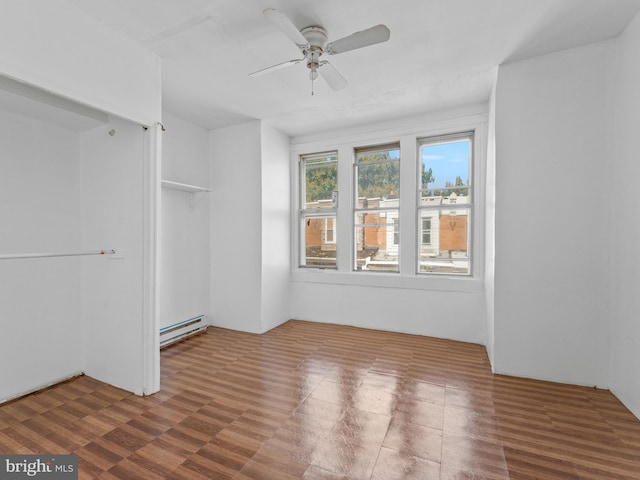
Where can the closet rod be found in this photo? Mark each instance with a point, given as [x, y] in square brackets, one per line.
[41, 255]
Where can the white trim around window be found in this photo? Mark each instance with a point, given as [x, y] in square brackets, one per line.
[408, 138]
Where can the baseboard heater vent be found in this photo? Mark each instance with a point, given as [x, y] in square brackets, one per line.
[181, 330]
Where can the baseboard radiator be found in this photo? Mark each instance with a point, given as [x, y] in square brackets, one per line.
[181, 330]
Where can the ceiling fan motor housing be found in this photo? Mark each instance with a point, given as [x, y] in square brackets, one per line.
[317, 39]
[316, 36]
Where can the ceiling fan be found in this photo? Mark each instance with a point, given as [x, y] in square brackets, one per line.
[312, 42]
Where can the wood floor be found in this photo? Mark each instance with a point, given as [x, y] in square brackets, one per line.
[318, 402]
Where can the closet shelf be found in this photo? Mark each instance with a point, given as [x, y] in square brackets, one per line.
[184, 187]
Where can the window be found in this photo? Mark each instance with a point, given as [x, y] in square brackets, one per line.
[318, 182]
[432, 237]
[445, 181]
[426, 232]
[396, 231]
[329, 230]
[376, 208]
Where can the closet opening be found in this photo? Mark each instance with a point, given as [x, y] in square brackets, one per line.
[78, 196]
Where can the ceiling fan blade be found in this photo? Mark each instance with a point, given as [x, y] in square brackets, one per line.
[286, 26]
[370, 36]
[273, 68]
[332, 76]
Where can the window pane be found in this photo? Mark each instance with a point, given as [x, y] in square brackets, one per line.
[377, 241]
[319, 241]
[321, 179]
[318, 181]
[445, 240]
[376, 220]
[444, 204]
[378, 173]
[446, 168]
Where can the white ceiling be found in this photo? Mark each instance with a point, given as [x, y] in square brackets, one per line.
[441, 54]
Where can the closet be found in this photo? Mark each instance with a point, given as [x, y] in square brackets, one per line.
[76, 244]
[184, 297]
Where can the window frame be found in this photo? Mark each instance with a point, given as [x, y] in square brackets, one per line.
[407, 132]
[469, 206]
[380, 210]
[306, 214]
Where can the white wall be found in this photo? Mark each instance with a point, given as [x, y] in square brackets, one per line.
[276, 251]
[185, 232]
[432, 305]
[552, 205]
[249, 227]
[490, 217]
[39, 212]
[236, 227]
[625, 223]
[55, 46]
[113, 290]
[444, 314]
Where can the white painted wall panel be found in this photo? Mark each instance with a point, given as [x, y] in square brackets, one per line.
[452, 315]
[276, 250]
[625, 222]
[552, 203]
[113, 289]
[490, 227]
[236, 227]
[39, 212]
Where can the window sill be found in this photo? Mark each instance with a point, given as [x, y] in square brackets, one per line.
[444, 283]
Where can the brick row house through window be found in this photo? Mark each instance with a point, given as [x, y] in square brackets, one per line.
[443, 207]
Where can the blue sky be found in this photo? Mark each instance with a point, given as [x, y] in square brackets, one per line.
[447, 161]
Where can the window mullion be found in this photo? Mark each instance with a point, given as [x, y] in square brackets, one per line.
[408, 182]
[344, 228]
